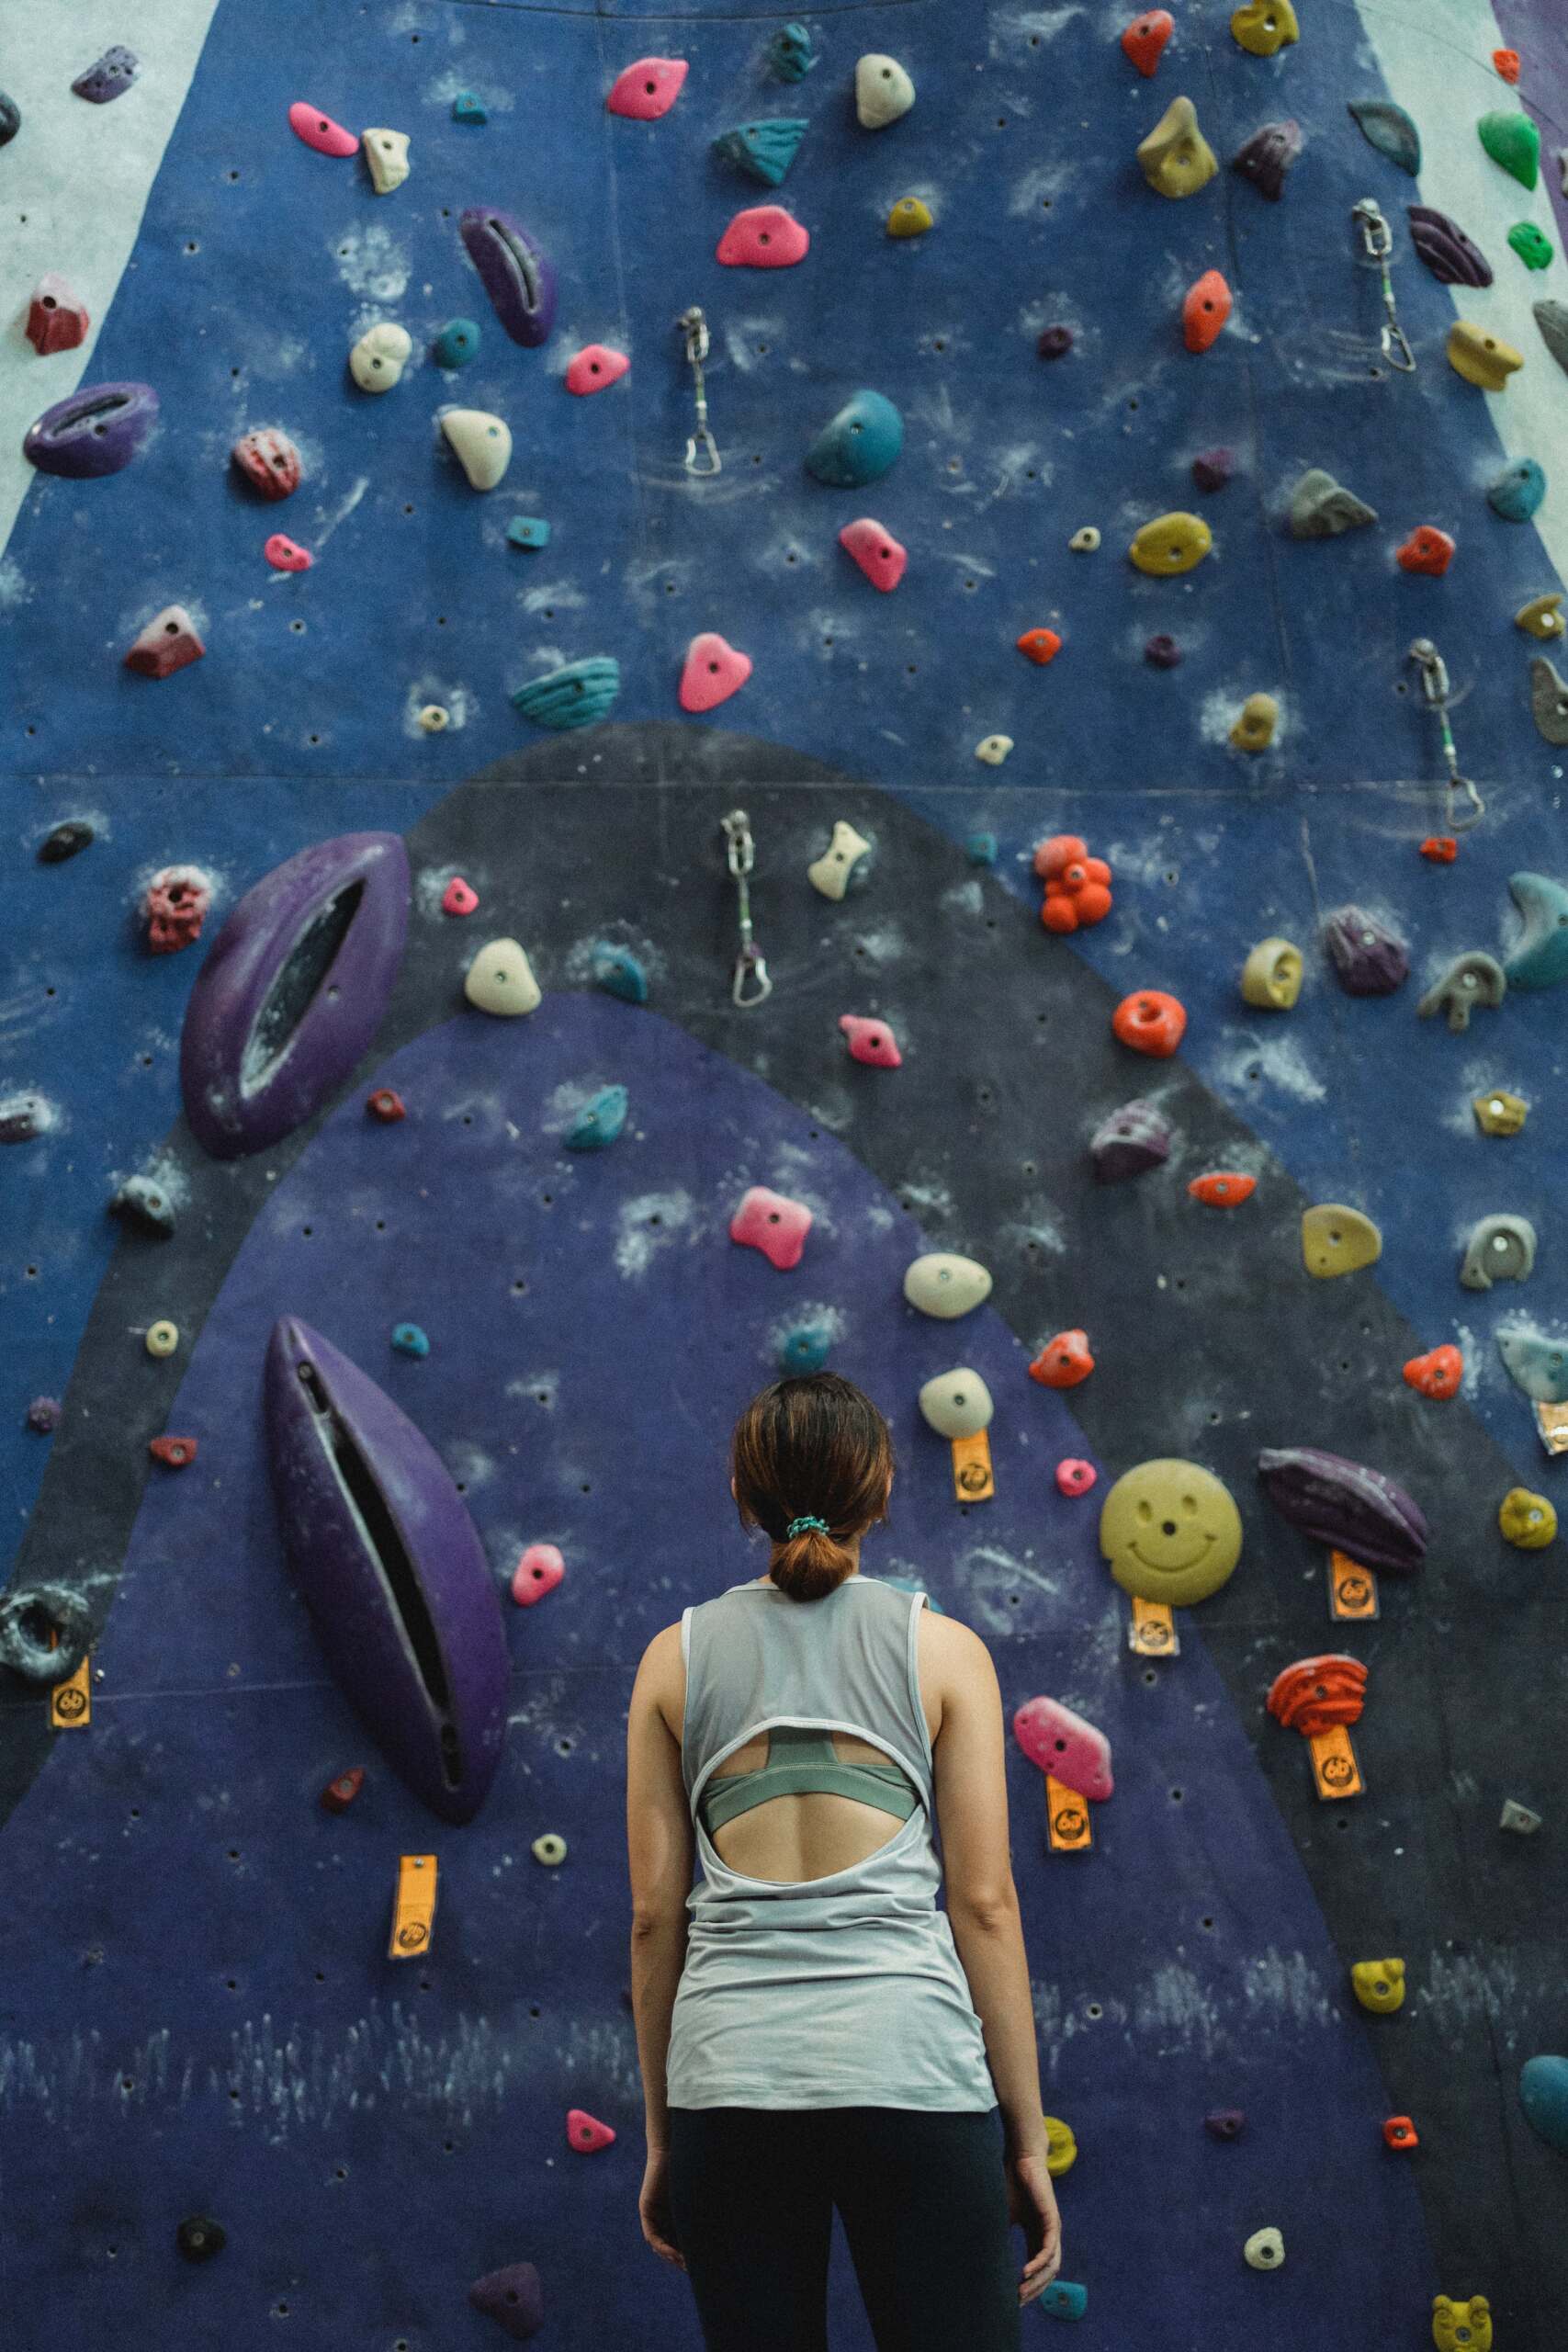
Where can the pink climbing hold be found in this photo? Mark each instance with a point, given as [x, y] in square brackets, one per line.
[460, 897]
[167, 643]
[320, 132]
[763, 237]
[585, 2132]
[871, 1041]
[539, 1572]
[769, 1221]
[1075, 1476]
[713, 671]
[876, 551]
[285, 554]
[647, 89]
[594, 366]
[1063, 1745]
[57, 317]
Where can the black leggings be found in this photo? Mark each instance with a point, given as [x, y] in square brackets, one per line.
[923, 2200]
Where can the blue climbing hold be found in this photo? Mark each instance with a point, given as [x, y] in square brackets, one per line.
[528, 531]
[858, 444]
[1536, 1364]
[790, 53]
[1540, 959]
[1390, 130]
[617, 969]
[1517, 491]
[574, 695]
[466, 108]
[1543, 2095]
[456, 344]
[980, 849]
[599, 1121]
[806, 1348]
[764, 151]
[1064, 2300]
[409, 1340]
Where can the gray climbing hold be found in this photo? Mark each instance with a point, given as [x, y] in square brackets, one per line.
[765, 150]
[27, 1616]
[108, 77]
[10, 118]
[1390, 130]
[599, 1121]
[1537, 1366]
[144, 1203]
[574, 695]
[1548, 701]
[1500, 1249]
[1447, 252]
[617, 970]
[1473, 978]
[858, 444]
[1267, 156]
[1321, 508]
[1551, 318]
[1130, 1142]
[1515, 1816]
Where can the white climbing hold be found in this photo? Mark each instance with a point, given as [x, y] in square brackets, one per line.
[993, 749]
[883, 91]
[432, 719]
[386, 153]
[379, 358]
[1264, 2250]
[956, 1404]
[944, 1285]
[499, 979]
[1085, 541]
[483, 444]
[830, 873]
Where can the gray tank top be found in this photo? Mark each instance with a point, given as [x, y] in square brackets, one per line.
[843, 1991]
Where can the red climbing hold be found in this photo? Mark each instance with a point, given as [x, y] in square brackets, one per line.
[1150, 1022]
[460, 897]
[1507, 61]
[1041, 645]
[1223, 1190]
[714, 671]
[1426, 549]
[339, 1795]
[1316, 1693]
[1437, 1374]
[647, 89]
[285, 554]
[1145, 39]
[167, 643]
[176, 903]
[1441, 848]
[320, 132]
[1204, 310]
[539, 1572]
[269, 461]
[385, 1104]
[1063, 1362]
[763, 237]
[871, 1041]
[1078, 886]
[585, 2133]
[594, 367]
[56, 319]
[175, 1451]
[1400, 2133]
[876, 551]
[1075, 1476]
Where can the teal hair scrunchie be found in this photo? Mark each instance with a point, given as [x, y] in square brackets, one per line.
[797, 1527]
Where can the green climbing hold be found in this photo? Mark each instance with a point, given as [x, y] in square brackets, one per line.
[574, 695]
[599, 1121]
[1512, 140]
[1390, 130]
[762, 150]
[1532, 246]
[621, 972]
[528, 531]
[466, 108]
[858, 444]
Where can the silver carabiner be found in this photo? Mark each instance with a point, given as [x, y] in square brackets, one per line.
[741, 854]
[701, 442]
[1377, 241]
[1436, 690]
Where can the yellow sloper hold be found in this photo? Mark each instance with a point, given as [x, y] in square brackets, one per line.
[1379, 1984]
[1527, 1521]
[1482, 358]
[1175, 159]
[1271, 976]
[1061, 2146]
[1171, 543]
[1542, 616]
[1499, 1113]
[1337, 1240]
[1264, 27]
[1254, 729]
[910, 218]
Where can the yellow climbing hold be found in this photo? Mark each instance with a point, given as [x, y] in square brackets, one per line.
[1379, 1984]
[1254, 729]
[1271, 976]
[1499, 1114]
[1482, 358]
[1337, 1240]
[163, 1338]
[1061, 2146]
[1264, 27]
[1527, 1521]
[1171, 543]
[1542, 616]
[910, 218]
[1175, 159]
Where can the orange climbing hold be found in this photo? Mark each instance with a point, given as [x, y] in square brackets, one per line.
[1437, 1374]
[1145, 39]
[1426, 549]
[1042, 645]
[1063, 1362]
[1078, 886]
[1441, 848]
[1316, 1693]
[1204, 310]
[1150, 1022]
[1400, 2133]
[1507, 61]
[173, 1451]
[1223, 1190]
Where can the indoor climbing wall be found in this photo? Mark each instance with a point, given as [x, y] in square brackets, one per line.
[1089, 488]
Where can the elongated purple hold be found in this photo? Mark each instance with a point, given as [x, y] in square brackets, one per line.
[293, 991]
[1447, 252]
[1346, 1506]
[1369, 958]
[95, 430]
[1267, 156]
[108, 77]
[1129, 1143]
[518, 279]
[391, 1569]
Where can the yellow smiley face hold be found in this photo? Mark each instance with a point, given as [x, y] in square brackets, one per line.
[1171, 1531]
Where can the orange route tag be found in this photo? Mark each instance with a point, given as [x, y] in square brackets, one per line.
[1333, 1764]
[972, 1476]
[1352, 1589]
[1551, 1421]
[1067, 1818]
[413, 1908]
[1153, 1630]
[71, 1701]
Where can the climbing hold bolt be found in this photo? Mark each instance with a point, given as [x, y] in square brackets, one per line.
[199, 2237]
[876, 551]
[1150, 1022]
[550, 1850]
[1271, 976]
[341, 1791]
[174, 1453]
[481, 443]
[1205, 306]
[1144, 41]
[1255, 725]
[1426, 549]
[883, 91]
[1171, 543]
[1436, 1375]
[386, 1105]
[1337, 1240]
[1175, 159]
[379, 358]
[1473, 978]
[763, 237]
[1264, 2250]
[1225, 2123]
[435, 718]
[712, 670]
[595, 367]
[1482, 359]
[773, 1224]
[647, 89]
[500, 979]
[1528, 1521]
[169, 642]
[1401, 2134]
[386, 158]
[1512, 140]
[1501, 1248]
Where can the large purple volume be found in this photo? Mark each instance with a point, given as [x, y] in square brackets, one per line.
[518, 279]
[1347, 1505]
[391, 1569]
[95, 430]
[293, 991]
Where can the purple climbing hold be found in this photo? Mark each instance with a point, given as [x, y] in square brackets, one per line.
[1212, 468]
[517, 275]
[513, 2297]
[1225, 2123]
[1346, 1506]
[1447, 252]
[1130, 1142]
[1369, 956]
[1162, 653]
[1267, 156]
[108, 77]
[93, 431]
[1054, 342]
[43, 1415]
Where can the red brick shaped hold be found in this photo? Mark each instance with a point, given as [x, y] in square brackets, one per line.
[176, 1451]
[876, 551]
[586, 2133]
[1144, 41]
[385, 1104]
[1040, 645]
[1426, 549]
[1441, 848]
[168, 643]
[57, 317]
[1205, 308]
[339, 1795]
[269, 461]
[1063, 1362]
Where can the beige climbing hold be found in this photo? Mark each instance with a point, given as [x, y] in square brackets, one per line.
[1175, 159]
[481, 442]
[1271, 976]
[956, 1404]
[1499, 1113]
[1254, 729]
[910, 218]
[1171, 543]
[993, 749]
[883, 92]
[1337, 1240]
[831, 872]
[944, 1285]
[433, 716]
[1482, 358]
[1085, 540]
[550, 1850]
[163, 1338]
[499, 979]
[1542, 616]
[1265, 27]
[1264, 2250]
[386, 153]
[379, 357]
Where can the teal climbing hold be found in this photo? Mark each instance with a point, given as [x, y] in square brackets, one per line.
[409, 1340]
[1517, 491]
[1532, 246]
[456, 344]
[574, 695]
[466, 108]
[1390, 130]
[1536, 1364]
[858, 444]
[528, 531]
[617, 969]
[806, 1348]
[764, 151]
[599, 1121]
[1543, 2095]
[1540, 959]
[1065, 2298]
[790, 53]
[1512, 140]
[980, 849]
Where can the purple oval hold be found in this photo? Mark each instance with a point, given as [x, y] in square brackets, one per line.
[518, 278]
[1447, 252]
[1347, 1505]
[95, 430]
[391, 1569]
[293, 991]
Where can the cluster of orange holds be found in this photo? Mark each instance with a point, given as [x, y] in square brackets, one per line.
[1078, 886]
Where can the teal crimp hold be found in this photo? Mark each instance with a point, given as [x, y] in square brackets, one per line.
[790, 53]
[1543, 2095]
[858, 444]
[1390, 130]
[763, 150]
[1517, 491]
[1540, 959]
[574, 695]
[466, 108]
[456, 344]
[806, 1348]
[619, 971]
[980, 849]
[409, 1340]
[1064, 2300]
[528, 531]
[1532, 246]
[1537, 1366]
[599, 1121]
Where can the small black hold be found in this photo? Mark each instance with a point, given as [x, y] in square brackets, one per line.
[10, 120]
[144, 1205]
[1054, 342]
[65, 841]
[19, 1119]
[199, 2238]
[1163, 651]
[1212, 468]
